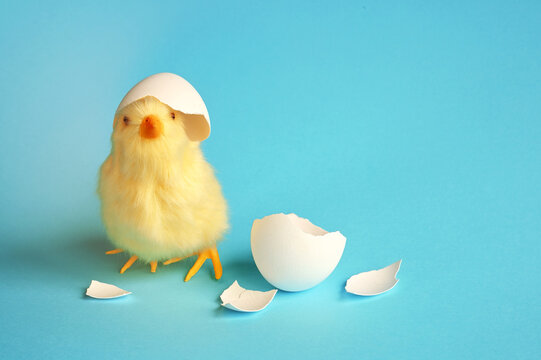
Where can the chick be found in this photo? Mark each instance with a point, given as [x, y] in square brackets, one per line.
[160, 199]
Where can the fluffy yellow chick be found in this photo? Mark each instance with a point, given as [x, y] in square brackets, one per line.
[159, 197]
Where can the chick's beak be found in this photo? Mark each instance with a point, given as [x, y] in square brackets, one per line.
[151, 127]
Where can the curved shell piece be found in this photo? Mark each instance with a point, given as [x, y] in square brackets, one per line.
[374, 282]
[237, 298]
[99, 290]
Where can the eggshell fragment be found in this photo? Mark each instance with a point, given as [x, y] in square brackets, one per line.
[237, 298]
[374, 282]
[292, 253]
[99, 290]
[171, 90]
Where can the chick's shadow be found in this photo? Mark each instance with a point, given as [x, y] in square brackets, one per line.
[67, 256]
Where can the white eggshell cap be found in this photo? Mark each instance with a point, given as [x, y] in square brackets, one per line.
[171, 90]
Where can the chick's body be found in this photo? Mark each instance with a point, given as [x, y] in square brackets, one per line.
[159, 197]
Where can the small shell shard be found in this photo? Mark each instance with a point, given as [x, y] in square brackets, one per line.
[237, 298]
[374, 282]
[99, 290]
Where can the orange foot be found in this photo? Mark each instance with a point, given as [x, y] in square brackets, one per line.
[210, 253]
[129, 263]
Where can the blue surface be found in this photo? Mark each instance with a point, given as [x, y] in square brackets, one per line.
[413, 128]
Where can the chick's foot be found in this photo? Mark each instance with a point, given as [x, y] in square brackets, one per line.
[202, 256]
[129, 263]
[212, 254]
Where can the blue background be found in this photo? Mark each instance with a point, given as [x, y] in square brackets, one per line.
[412, 127]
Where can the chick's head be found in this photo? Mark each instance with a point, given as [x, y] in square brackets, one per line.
[147, 128]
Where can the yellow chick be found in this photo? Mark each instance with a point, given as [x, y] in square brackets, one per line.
[160, 199]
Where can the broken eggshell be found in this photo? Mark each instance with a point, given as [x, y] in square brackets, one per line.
[175, 92]
[237, 298]
[374, 282]
[292, 253]
[99, 290]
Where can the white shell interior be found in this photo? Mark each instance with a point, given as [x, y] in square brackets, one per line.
[237, 298]
[101, 290]
[374, 282]
[292, 253]
[170, 89]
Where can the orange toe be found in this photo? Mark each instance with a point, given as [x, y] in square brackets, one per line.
[115, 251]
[212, 254]
[128, 264]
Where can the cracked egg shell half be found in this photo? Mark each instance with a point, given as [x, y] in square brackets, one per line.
[292, 253]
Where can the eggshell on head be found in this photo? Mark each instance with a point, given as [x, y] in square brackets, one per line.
[292, 253]
[171, 90]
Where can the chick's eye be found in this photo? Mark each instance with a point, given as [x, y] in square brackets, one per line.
[173, 115]
[126, 120]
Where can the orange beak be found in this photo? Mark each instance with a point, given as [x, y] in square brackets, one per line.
[151, 127]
